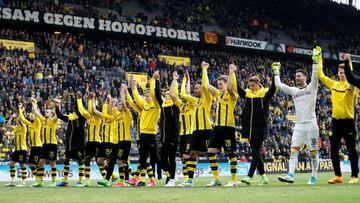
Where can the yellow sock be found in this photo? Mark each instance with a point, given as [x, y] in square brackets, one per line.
[214, 166]
[12, 173]
[167, 174]
[87, 173]
[143, 174]
[81, 173]
[53, 174]
[233, 168]
[66, 172]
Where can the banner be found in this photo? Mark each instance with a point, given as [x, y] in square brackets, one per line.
[202, 169]
[179, 61]
[96, 24]
[354, 58]
[306, 51]
[14, 44]
[141, 79]
[254, 44]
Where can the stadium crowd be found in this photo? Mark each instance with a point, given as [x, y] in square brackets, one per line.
[64, 61]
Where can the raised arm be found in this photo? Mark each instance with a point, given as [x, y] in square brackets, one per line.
[155, 89]
[323, 78]
[8, 123]
[138, 99]
[349, 75]
[21, 115]
[285, 88]
[36, 110]
[174, 91]
[58, 112]
[232, 85]
[205, 81]
[131, 102]
[80, 106]
[92, 106]
[317, 61]
[123, 97]
[105, 109]
[272, 89]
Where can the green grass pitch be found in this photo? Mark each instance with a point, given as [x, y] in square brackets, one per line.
[274, 192]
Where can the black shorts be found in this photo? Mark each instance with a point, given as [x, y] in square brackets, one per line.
[35, 154]
[185, 142]
[200, 140]
[77, 154]
[122, 150]
[49, 152]
[106, 150]
[223, 137]
[19, 156]
[92, 149]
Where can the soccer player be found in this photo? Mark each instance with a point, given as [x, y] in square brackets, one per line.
[49, 148]
[187, 118]
[223, 135]
[254, 118]
[203, 128]
[169, 127]
[149, 169]
[75, 140]
[93, 140]
[20, 153]
[306, 130]
[103, 152]
[34, 129]
[150, 115]
[343, 115]
[121, 125]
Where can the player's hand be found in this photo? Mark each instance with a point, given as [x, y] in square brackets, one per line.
[108, 99]
[204, 65]
[346, 57]
[316, 54]
[78, 95]
[14, 115]
[276, 68]
[232, 68]
[133, 83]
[92, 95]
[187, 74]
[156, 75]
[175, 75]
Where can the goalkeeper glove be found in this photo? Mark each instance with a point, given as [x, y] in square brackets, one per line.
[316, 54]
[276, 68]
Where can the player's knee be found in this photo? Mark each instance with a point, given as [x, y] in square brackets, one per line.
[313, 153]
[212, 151]
[12, 163]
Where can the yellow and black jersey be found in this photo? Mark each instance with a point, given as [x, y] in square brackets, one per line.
[225, 107]
[34, 129]
[150, 112]
[20, 137]
[49, 130]
[94, 122]
[187, 114]
[342, 95]
[107, 136]
[121, 125]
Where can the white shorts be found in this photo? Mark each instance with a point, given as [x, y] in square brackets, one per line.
[306, 133]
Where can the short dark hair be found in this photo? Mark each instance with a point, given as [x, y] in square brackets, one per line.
[302, 71]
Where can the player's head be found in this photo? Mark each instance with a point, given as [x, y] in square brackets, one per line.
[341, 72]
[31, 117]
[49, 113]
[221, 82]
[301, 77]
[198, 91]
[254, 83]
[147, 95]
